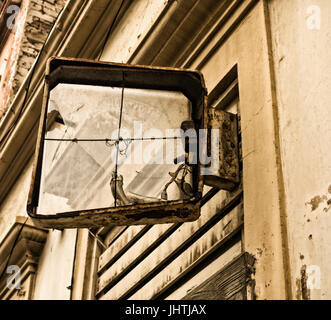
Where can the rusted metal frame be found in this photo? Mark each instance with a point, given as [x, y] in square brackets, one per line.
[139, 79]
[174, 211]
[37, 161]
[152, 213]
[228, 175]
[233, 201]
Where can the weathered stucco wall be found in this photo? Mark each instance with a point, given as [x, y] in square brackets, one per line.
[248, 48]
[301, 41]
[54, 275]
[9, 56]
[15, 203]
[40, 19]
[32, 25]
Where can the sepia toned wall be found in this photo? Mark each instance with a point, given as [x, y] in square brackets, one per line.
[282, 58]
[301, 42]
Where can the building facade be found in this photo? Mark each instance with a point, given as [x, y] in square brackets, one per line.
[265, 61]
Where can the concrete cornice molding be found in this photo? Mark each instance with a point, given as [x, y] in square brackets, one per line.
[29, 241]
[163, 45]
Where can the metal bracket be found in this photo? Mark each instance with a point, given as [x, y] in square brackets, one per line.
[228, 176]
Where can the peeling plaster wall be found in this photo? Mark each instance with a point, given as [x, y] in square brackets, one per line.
[301, 41]
[33, 24]
[9, 56]
[40, 19]
[15, 203]
[54, 275]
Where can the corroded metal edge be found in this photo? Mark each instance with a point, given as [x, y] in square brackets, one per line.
[172, 212]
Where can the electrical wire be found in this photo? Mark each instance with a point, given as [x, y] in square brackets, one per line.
[122, 96]
[97, 238]
[117, 143]
[112, 140]
[110, 29]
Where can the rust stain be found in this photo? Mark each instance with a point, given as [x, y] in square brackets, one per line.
[303, 293]
[196, 253]
[259, 252]
[316, 201]
[298, 291]
[326, 209]
[213, 239]
[204, 247]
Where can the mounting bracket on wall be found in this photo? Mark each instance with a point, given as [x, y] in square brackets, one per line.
[226, 175]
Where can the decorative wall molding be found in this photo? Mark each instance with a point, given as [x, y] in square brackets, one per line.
[186, 34]
[29, 244]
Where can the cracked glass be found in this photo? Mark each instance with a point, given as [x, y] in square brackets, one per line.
[111, 147]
